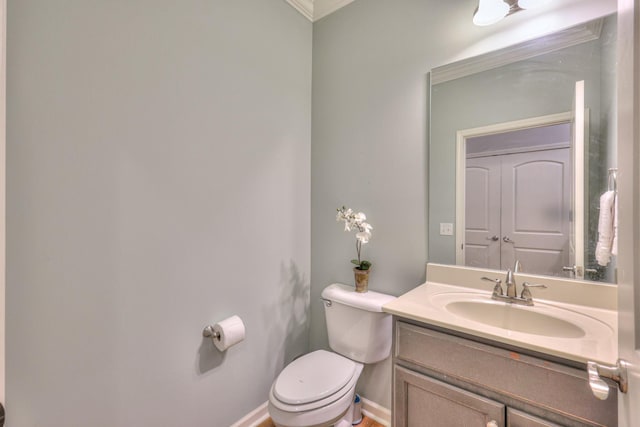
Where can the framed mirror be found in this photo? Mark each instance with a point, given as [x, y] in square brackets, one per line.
[522, 154]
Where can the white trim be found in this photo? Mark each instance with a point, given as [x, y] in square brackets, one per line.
[254, 417]
[628, 272]
[305, 7]
[370, 408]
[3, 162]
[376, 412]
[529, 149]
[327, 7]
[461, 149]
[314, 10]
[579, 122]
[529, 49]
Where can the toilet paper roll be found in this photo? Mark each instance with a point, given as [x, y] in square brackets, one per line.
[230, 332]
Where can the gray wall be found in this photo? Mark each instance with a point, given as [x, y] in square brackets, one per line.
[158, 178]
[369, 149]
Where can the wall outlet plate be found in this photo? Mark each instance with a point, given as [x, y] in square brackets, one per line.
[446, 229]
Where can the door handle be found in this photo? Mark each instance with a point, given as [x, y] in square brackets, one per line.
[573, 269]
[494, 238]
[617, 373]
[506, 239]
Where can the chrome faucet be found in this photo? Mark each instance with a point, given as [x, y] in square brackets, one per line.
[510, 282]
[517, 266]
[511, 296]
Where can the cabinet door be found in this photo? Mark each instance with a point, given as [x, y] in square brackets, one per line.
[517, 418]
[421, 401]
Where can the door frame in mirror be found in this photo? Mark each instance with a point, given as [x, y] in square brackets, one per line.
[461, 149]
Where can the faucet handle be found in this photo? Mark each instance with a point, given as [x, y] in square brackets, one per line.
[526, 293]
[497, 289]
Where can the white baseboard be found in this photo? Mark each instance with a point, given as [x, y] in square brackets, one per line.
[376, 412]
[254, 417]
[369, 408]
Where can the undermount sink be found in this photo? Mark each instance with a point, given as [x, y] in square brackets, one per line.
[515, 318]
[543, 320]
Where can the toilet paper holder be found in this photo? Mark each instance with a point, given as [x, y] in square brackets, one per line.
[208, 332]
[225, 333]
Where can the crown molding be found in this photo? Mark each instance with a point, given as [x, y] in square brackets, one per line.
[305, 7]
[323, 8]
[560, 40]
[317, 9]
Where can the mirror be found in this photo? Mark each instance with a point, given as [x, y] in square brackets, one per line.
[522, 146]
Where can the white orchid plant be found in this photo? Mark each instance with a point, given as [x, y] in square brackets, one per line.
[356, 221]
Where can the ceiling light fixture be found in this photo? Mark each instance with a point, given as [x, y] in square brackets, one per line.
[491, 11]
[531, 4]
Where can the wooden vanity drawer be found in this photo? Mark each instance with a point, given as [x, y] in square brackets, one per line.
[546, 385]
[434, 403]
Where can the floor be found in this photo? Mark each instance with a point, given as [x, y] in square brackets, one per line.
[366, 422]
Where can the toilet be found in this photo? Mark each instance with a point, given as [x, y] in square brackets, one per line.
[318, 389]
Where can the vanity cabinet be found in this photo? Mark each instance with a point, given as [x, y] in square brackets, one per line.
[428, 401]
[445, 379]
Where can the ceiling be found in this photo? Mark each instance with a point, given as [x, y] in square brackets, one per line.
[317, 9]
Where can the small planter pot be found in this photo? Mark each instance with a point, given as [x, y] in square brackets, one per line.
[362, 279]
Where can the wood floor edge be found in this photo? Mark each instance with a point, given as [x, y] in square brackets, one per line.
[376, 412]
[366, 422]
[375, 415]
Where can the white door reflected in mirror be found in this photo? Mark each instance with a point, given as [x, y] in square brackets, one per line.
[516, 180]
[521, 196]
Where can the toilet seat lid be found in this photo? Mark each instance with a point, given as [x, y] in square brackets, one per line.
[312, 377]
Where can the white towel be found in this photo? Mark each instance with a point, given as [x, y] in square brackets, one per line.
[606, 228]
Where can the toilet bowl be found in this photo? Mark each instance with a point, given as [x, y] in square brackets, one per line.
[318, 389]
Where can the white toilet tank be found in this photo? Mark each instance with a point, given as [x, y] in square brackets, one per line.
[357, 327]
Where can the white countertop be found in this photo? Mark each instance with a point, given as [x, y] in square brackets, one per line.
[599, 342]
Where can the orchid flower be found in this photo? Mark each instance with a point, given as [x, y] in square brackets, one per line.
[363, 236]
[356, 221]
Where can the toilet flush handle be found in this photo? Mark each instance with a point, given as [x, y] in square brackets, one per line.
[327, 302]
